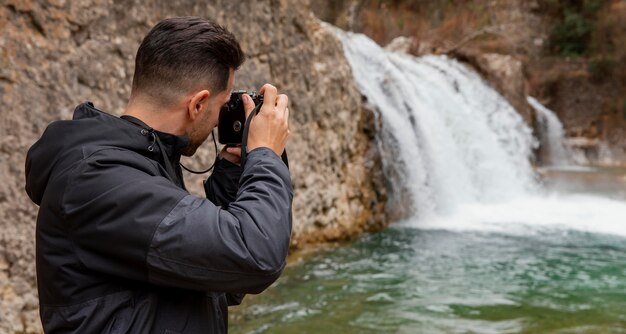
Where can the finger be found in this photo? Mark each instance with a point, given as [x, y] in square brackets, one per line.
[266, 87]
[269, 93]
[248, 104]
[231, 157]
[287, 117]
[234, 151]
[281, 103]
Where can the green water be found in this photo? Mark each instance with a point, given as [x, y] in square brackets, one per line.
[408, 280]
[404, 280]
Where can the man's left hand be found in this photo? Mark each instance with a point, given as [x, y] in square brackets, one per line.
[232, 154]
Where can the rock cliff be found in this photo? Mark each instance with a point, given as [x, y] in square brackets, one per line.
[56, 53]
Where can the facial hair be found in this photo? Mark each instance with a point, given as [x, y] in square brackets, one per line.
[197, 135]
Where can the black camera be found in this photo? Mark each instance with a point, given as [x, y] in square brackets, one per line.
[233, 118]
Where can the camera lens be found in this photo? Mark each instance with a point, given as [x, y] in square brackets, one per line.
[237, 126]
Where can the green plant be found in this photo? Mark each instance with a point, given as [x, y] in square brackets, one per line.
[601, 67]
[401, 23]
[570, 36]
[592, 6]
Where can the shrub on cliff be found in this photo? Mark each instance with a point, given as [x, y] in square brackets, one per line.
[574, 24]
[601, 67]
[570, 36]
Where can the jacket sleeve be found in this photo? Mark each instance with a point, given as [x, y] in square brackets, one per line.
[126, 222]
[222, 186]
[221, 189]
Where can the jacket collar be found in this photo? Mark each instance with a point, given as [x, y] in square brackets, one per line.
[160, 146]
[172, 144]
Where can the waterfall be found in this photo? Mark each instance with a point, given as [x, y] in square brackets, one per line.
[551, 135]
[459, 152]
[455, 139]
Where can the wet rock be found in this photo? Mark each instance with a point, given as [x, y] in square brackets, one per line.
[401, 44]
[505, 73]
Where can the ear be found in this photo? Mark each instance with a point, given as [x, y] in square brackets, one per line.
[198, 103]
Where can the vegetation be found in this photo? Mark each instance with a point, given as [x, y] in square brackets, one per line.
[383, 20]
[600, 67]
[576, 19]
[571, 35]
[593, 29]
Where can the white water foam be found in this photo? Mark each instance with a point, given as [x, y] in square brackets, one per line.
[462, 149]
[534, 214]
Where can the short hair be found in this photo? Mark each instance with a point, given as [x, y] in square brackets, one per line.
[183, 53]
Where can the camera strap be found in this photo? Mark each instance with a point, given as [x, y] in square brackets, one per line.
[244, 139]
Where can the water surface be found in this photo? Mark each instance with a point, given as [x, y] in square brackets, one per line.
[551, 263]
[406, 280]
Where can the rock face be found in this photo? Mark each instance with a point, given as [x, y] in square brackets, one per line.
[594, 120]
[56, 53]
[505, 73]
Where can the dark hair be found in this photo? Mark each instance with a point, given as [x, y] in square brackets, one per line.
[183, 53]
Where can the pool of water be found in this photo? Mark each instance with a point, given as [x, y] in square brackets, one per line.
[405, 280]
[507, 271]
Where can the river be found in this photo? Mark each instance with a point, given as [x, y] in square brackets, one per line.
[491, 244]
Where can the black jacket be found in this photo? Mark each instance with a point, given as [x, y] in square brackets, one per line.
[122, 247]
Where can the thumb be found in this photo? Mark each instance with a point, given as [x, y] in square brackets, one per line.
[248, 104]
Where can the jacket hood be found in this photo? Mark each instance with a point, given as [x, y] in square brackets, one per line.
[64, 143]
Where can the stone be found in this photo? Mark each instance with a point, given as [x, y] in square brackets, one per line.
[505, 73]
[401, 44]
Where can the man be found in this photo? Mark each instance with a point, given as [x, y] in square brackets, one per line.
[122, 247]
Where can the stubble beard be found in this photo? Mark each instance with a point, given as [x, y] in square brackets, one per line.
[195, 140]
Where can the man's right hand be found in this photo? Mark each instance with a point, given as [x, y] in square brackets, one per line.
[270, 127]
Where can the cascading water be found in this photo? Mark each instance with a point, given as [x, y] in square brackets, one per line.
[463, 150]
[460, 141]
[551, 134]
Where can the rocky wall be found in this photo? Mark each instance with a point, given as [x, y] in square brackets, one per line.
[55, 54]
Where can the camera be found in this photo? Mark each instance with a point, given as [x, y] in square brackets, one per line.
[232, 118]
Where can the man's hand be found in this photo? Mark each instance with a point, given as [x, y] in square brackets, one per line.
[270, 127]
[232, 154]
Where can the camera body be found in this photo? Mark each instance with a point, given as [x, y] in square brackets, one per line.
[232, 118]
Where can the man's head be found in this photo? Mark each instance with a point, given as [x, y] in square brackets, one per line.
[187, 64]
